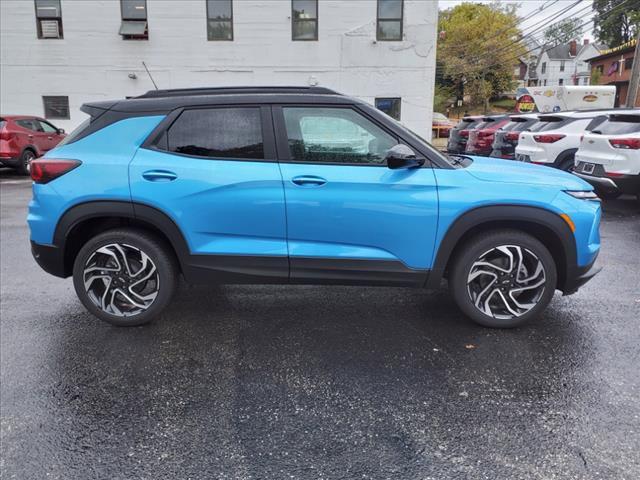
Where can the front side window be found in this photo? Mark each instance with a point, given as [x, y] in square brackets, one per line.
[49, 18]
[47, 127]
[134, 24]
[56, 106]
[233, 133]
[304, 19]
[334, 135]
[390, 106]
[390, 19]
[219, 20]
[29, 124]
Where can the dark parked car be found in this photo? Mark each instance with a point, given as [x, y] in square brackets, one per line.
[23, 138]
[481, 137]
[460, 133]
[506, 138]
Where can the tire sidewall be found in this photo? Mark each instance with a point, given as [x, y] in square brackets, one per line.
[158, 255]
[473, 250]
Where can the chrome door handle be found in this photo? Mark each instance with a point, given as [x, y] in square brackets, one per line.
[50, 138]
[159, 176]
[308, 181]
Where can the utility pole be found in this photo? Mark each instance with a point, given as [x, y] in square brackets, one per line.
[634, 81]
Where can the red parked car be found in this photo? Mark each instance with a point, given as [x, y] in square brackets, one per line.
[23, 138]
[481, 138]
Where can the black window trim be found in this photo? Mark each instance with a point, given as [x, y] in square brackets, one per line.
[316, 20]
[230, 21]
[59, 20]
[378, 20]
[268, 142]
[146, 19]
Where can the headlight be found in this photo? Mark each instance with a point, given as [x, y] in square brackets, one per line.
[583, 195]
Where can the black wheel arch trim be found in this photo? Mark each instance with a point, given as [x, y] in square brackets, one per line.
[562, 156]
[476, 217]
[113, 208]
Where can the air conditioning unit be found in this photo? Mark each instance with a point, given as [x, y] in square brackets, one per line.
[50, 28]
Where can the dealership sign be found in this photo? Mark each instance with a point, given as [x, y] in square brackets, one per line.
[557, 99]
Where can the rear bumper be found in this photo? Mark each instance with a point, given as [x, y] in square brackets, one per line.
[579, 277]
[622, 184]
[50, 258]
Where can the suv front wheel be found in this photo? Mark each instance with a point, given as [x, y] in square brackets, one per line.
[125, 276]
[503, 279]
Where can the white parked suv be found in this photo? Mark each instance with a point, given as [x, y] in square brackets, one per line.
[555, 139]
[609, 155]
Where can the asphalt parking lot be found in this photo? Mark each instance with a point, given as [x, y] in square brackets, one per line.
[274, 382]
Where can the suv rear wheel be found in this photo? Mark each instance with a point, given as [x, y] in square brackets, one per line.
[24, 167]
[125, 276]
[503, 279]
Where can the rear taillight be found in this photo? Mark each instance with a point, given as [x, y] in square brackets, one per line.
[549, 138]
[464, 133]
[43, 171]
[614, 174]
[4, 131]
[626, 143]
[581, 138]
[512, 136]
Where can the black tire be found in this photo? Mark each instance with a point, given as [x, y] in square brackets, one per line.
[164, 283]
[24, 167]
[474, 249]
[567, 164]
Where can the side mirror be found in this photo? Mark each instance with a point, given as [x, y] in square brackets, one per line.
[401, 156]
[61, 131]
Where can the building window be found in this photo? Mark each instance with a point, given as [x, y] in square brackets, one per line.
[134, 24]
[545, 83]
[390, 106]
[49, 18]
[219, 20]
[544, 67]
[600, 68]
[562, 66]
[389, 21]
[585, 81]
[304, 19]
[628, 63]
[561, 81]
[56, 107]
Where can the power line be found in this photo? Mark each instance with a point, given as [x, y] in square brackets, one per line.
[605, 15]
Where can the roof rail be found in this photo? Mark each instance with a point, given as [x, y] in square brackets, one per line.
[184, 92]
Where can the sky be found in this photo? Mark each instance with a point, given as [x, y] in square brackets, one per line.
[528, 7]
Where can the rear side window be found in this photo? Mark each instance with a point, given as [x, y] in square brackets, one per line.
[75, 133]
[218, 133]
[551, 123]
[466, 124]
[620, 126]
[29, 124]
[595, 122]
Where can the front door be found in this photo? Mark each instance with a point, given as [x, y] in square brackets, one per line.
[214, 173]
[349, 217]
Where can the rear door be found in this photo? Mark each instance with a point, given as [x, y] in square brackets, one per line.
[214, 172]
[51, 137]
[30, 133]
[349, 217]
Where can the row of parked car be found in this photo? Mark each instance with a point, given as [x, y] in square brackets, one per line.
[600, 146]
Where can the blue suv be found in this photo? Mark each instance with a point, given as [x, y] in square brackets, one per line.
[302, 186]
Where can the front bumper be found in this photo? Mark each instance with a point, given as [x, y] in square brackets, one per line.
[50, 258]
[579, 277]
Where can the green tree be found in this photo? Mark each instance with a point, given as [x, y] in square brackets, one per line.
[563, 32]
[615, 24]
[478, 48]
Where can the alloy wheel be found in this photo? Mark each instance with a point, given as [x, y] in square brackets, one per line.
[28, 158]
[506, 281]
[121, 280]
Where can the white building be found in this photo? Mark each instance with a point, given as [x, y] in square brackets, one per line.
[58, 54]
[564, 64]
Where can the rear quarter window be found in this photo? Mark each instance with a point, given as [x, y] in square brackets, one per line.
[619, 126]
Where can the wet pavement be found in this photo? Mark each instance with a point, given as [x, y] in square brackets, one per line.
[274, 382]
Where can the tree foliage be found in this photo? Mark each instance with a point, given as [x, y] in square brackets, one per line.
[615, 27]
[479, 47]
[563, 32]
